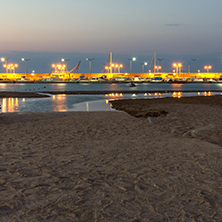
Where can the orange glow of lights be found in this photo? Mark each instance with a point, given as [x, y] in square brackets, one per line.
[207, 67]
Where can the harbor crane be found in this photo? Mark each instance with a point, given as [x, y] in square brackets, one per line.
[75, 69]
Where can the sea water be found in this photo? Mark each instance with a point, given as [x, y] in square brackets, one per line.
[47, 87]
[66, 103]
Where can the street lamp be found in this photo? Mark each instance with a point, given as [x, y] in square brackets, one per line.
[6, 63]
[54, 66]
[90, 65]
[120, 66]
[65, 60]
[194, 64]
[133, 59]
[178, 67]
[14, 66]
[116, 68]
[107, 68]
[143, 64]
[157, 68]
[207, 68]
[26, 61]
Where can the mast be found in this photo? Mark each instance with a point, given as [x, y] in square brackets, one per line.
[111, 61]
[154, 61]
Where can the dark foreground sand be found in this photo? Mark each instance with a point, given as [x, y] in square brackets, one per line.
[111, 166]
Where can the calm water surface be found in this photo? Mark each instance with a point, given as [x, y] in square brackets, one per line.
[65, 103]
[43, 87]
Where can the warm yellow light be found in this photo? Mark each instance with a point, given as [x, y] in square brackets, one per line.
[53, 65]
[112, 65]
[106, 67]
[210, 67]
[179, 64]
[3, 59]
[205, 67]
[121, 66]
[117, 65]
[174, 64]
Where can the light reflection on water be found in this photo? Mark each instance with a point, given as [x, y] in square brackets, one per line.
[64, 103]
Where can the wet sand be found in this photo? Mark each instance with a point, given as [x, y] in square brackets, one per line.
[114, 166]
[6, 94]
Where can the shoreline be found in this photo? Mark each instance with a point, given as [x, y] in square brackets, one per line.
[7, 94]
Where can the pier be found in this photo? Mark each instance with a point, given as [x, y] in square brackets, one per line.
[69, 77]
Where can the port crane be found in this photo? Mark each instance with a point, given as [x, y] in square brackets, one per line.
[75, 69]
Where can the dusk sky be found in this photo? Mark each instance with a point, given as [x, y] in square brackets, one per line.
[82, 28]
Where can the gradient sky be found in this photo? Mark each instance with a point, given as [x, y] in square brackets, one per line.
[125, 27]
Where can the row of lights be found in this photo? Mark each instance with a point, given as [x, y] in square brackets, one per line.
[13, 66]
[59, 67]
[115, 67]
[178, 66]
[10, 67]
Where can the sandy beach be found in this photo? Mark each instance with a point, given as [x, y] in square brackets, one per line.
[160, 160]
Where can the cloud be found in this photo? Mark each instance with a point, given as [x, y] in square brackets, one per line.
[174, 24]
